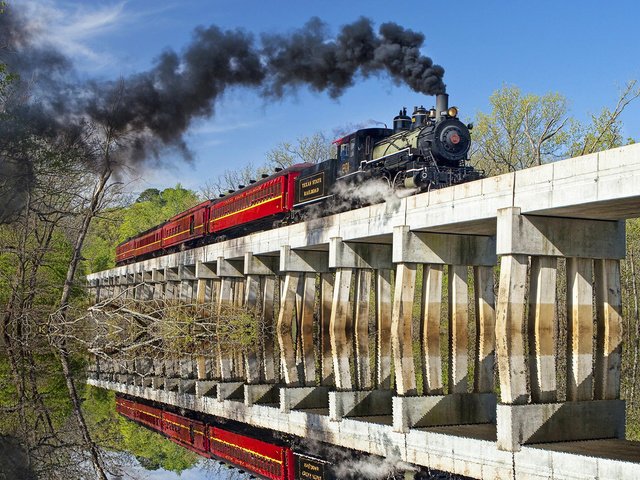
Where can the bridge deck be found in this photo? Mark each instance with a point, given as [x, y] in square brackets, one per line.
[599, 186]
[468, 450]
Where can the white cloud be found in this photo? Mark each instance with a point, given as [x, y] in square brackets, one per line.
[74, 27]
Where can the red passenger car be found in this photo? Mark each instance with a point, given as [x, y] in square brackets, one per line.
[266, 459]
[145, 414]
[258, 205]
[186, 227]
[148, 242]
[249, 209]
[126, 251]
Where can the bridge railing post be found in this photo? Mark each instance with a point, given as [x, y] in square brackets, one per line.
[531, 410]
[466, 400]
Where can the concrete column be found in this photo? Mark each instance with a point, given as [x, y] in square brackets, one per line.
[216, 285]
[138, 286]
[147, 287]
[252, 294]
[341, 329]
[364, 258]
[307, 289]
[268, 314]
[158, 279]
[401, 329]
[542, 329]
[458, 333]
[225, 358]
[580, 329]
[97, 285]
[383, 328]
[291, 331]
[326, 300]
[609, 329]
[231, 296]
[510, 328]
[204, 273]
[173, 280]
[485, 329]
[430, 319]
[286, 320]
[260, 273]
[201, 291]
[361, 327]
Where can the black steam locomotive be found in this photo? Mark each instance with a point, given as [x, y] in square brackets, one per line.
[425, 151]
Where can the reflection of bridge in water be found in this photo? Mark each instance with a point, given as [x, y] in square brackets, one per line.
[337, 272]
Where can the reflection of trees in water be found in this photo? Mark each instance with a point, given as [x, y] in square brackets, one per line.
[144, 332]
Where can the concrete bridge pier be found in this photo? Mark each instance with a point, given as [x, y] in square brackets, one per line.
[295, 327]
[148, 285]
[171, 375]
[466, 400]
[158, 283]
[187, 374]
[260, 372]
[205, 276]
[141, 370]
[157, 377]
[172, 284]
[357, 392]
[186, 274]
[127, 284]
[229, 356]
[534, 406]
[119, 286]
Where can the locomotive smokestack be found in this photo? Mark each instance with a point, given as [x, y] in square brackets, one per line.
[442, 105]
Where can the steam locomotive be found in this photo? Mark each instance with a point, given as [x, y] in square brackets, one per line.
[425, 151]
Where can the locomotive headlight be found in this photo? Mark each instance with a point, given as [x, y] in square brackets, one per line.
[452, 112]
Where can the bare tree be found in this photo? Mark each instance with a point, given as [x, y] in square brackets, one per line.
[605, 129]
[312, 149]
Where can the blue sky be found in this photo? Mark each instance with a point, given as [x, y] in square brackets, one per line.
[584, 50]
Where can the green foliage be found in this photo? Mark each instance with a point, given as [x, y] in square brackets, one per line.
[602, 133]
[114, 432]
[151, 208]
[144, 214]
[522, 130]
[150, 195]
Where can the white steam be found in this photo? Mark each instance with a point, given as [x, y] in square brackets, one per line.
[372, 468]
[347, 196]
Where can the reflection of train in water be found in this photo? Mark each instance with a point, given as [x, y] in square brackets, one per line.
[261, 458]
[425, 151]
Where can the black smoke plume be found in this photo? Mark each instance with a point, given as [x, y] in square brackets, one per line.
[308, 57]
[155, 108]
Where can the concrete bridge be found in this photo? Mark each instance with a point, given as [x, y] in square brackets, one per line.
[424, 390]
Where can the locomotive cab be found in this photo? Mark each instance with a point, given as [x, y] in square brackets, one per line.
[357, 148]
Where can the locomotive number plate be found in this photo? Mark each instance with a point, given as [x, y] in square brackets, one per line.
[311, 187]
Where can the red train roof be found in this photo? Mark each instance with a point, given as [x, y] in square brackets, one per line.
[293, 168]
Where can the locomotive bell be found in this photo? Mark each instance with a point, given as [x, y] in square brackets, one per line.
[402, 121]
